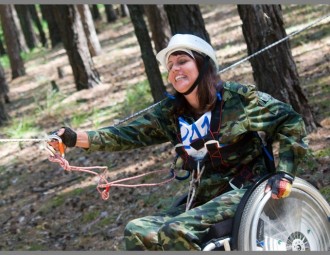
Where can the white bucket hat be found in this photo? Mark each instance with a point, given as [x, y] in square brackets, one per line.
[187, 43]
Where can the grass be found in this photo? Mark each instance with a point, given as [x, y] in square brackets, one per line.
[138, 97]
[51, 105]
[21, 128]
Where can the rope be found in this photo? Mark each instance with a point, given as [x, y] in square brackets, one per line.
[103, 182]
[194, 182]
[24, 140]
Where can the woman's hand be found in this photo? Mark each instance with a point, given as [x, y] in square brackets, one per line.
[70, 138]
[280, 184]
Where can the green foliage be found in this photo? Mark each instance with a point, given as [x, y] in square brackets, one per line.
[51, 105]
[36, 247]
[90, 216]
[21, 128]
[78, 118]
[138, 97]
[35, 54]
[325, 191]
[322, 153]
[4, 60]
[58, 201]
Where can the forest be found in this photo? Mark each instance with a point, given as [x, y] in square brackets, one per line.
[91, 66]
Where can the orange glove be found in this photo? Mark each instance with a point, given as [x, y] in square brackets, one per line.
[280, 184]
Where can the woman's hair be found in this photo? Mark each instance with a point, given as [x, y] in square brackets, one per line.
[206, 89]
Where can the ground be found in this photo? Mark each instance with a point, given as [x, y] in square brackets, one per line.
[43, 207]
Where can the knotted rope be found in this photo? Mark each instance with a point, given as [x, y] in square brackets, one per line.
[103, 186]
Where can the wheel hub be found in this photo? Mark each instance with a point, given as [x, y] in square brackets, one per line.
[297, 242]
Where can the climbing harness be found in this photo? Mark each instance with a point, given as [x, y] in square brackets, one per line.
[104, 185]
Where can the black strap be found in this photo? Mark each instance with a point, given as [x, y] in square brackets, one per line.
[213, 134]
[200, 76]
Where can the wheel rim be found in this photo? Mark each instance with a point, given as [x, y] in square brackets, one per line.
[297, 242]
[291, 224]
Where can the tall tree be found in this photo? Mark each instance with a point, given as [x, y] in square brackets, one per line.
[22, 43]
[110, 13]
[123, 10]
[54, 31]
[36, 20]
[11, 39]
[2, 48]
[186, 19]
[95, 12]
[74, 41]
[93, 42]
[274, 71]
[148, 57]
[27, 25]
[3, 96]
[157, 18]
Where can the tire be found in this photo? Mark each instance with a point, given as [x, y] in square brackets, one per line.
[298, 222]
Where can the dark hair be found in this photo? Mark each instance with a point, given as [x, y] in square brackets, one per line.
[206, 89]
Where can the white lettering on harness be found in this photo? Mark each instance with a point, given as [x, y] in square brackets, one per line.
[194, 131]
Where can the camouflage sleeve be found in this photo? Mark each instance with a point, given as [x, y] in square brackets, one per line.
[143, 131]
[280, 122]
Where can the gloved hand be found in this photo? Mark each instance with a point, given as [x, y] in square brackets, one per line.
[68, 136]
[280, 184]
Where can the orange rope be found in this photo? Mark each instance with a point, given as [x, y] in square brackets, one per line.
[103, 182]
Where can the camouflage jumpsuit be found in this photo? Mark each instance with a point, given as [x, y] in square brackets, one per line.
[244, 110]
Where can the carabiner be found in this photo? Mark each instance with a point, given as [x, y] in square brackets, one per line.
[60, 145]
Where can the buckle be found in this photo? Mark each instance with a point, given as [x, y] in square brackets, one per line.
[212, 142]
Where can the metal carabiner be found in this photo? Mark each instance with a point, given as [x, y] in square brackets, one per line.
[60, 145]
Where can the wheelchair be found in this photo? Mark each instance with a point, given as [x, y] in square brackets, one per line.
[300, 222]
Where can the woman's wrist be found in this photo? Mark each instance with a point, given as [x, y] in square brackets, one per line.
[82, 140]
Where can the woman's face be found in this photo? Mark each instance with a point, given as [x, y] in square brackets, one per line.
[182, 71]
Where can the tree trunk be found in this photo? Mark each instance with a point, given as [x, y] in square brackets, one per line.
[110, 13]
[36, 20]
[22, 43]
[274, 71]
[54, 31]
[26, 25]
[157, 18]
[186, 19]
[11, 39]
[95, 12]
[148, 57]
[93, 42]
[123, 10]
[2, 48]
[3, 94]
[74, 41]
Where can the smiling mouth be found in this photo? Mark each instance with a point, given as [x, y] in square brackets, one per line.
[179, 77]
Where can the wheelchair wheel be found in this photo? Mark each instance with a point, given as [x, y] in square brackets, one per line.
[298, 222]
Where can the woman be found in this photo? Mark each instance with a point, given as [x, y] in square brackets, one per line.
[213, 126]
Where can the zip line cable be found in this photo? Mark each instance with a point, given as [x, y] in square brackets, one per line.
[235, 64]
[24, 140]
[274, 44]
[221, 71]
